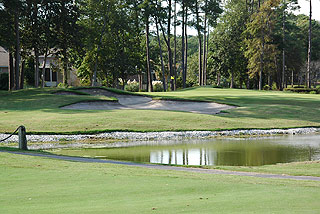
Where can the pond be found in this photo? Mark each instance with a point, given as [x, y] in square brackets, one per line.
[214, 152]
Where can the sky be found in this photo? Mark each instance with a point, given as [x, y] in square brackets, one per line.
[304, 8]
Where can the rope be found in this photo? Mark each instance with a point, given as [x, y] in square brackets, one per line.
[10, 135]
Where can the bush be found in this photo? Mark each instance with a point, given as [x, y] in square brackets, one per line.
[157, 86]
[266, 87]
[302, 90]
[62, 85]
[274, 86]
[4, 81]
[216, 86]
[132, 86]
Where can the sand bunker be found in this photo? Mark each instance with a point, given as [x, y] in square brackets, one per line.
[141, 102]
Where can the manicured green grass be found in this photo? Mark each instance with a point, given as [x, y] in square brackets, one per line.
[40, 185]
[39, 111]
[298, 168]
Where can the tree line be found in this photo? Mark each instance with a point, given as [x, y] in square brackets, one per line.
[240, 43]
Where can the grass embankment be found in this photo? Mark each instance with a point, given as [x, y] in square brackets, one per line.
[40, 185]
[39, 111]
[309, 168]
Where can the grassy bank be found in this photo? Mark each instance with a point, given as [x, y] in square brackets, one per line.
[40, 185]
[39, 111]
[311, 168]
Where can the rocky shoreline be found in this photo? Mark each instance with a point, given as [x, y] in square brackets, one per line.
[166, 135]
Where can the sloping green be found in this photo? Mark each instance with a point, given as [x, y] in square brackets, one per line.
[38, 110]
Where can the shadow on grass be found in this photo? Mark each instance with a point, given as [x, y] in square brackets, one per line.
[11, 149]
[254, 104]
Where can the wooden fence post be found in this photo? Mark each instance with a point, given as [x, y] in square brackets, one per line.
[22, 138]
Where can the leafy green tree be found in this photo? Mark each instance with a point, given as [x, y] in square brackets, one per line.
[11, 12]
[226, 49]
[65, 17]
[112, 38]
[261, 49]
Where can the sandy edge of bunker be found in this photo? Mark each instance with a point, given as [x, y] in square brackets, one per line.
[127, 101]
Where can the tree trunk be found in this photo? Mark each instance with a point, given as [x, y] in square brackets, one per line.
[44, 68]
[22, 74]
[94, 78]
[261, 67]
[200, 60]
[183, 46]
[218, 78]
[169, 47]
[232, 79]
[200, 71]
[261, 61]
[36, 44]
[161, 58]
[150, 89]
[186, 45]
[140, 81]
[175, 46]
[283, 52]
[204, 50]
[11, 72]
[65, 67]
[206, 58]
[17, 50]
[309, 49]
[292, 78]
[36, 68]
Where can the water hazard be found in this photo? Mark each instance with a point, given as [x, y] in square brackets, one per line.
[232, 152]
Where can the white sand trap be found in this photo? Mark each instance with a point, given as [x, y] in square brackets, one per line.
[95, 105]
[141, 102]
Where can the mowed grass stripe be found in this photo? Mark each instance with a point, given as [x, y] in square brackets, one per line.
[38, 185]
[39, 111]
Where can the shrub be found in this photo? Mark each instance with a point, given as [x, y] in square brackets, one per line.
[298, 86]
[216, 86]
[62, 85]
[132, 86]
[301, 90]
[274, 86]
[4, 81]
[157, 86]
[266, 87]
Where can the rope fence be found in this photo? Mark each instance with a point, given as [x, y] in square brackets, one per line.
[10, 134]
[22, 137]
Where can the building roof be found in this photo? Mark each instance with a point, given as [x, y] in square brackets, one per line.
[4, 58]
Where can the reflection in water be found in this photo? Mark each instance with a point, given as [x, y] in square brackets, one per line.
[183, 157]
[232, 152]
[235, 155]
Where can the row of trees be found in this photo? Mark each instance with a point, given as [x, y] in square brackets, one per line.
[34, 28]
[105, 40]
[140, 37]
[249, 43]
[259, 44]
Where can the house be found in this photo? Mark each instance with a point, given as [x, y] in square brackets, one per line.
[4, 61]
[52, 74]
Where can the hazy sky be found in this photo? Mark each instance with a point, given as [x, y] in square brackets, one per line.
[304, 4]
